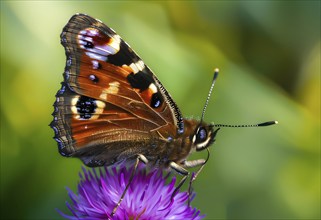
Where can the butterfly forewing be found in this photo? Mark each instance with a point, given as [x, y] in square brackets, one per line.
[110, 102]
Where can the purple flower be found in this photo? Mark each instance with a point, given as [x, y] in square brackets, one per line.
[148, 196]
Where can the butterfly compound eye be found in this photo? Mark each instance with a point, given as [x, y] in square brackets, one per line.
[201, 135]
[202, 138]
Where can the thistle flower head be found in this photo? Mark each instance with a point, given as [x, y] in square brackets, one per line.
[148, 196]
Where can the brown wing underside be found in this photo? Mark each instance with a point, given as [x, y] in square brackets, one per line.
[111, 106]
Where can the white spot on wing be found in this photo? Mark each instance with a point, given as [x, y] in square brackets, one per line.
[103, 94]
[96, 56]
[99, 109]
[153, 88]
[113, 88]
[74, 108]
[98, 52]
[138, 66]
[100, 104]
[115, 43]
[134, 68]
[74, 100]
[95, 64]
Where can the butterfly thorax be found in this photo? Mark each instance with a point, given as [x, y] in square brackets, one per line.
[196, 137]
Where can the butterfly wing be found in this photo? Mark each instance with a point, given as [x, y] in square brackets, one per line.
[111, 106]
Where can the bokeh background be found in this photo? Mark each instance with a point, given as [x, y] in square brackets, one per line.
[268, 53]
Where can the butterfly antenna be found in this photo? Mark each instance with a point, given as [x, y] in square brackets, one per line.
[268, 123]
[210, 92]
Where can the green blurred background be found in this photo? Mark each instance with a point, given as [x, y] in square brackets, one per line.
[268, 53]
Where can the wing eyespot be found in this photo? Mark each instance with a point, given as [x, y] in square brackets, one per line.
[156, 100]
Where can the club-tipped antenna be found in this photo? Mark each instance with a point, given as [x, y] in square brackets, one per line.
[210, 92]
[264, 124]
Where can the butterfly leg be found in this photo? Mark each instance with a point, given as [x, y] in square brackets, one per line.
[181, 170]
[195, 163]
[141, 158]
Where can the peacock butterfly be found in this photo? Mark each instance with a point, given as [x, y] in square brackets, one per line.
[112, 108]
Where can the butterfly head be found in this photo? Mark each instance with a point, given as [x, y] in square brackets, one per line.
[204, 136]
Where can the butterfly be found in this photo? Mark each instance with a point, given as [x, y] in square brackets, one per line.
[112, 108]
